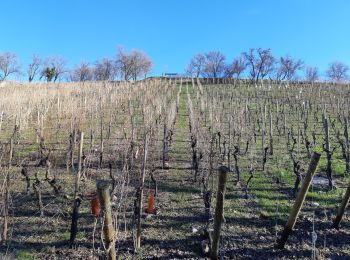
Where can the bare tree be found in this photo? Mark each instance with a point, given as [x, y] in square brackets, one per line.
[337, 71]
[134, 64]
[48, 73]
[228, 71]
[141, 64]
[105, 69]
[56, 66]
[238, 66]
[33, 68]
[260, 63]
[311, 74]
[8, 65]
[288, 68]
[196, 66]
[251, 60]
[214, 64]
[124, 64]
[82, 72]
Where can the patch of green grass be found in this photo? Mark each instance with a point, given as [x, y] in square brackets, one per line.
[286, 176]
[140, 253]
[275, 208]
[331, 198]
[66, 235]
[338, 168]
[25, 255]
[272, 202]
[80, 236]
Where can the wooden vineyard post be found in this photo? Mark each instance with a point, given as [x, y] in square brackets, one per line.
[327, 149]
[77, 199]
[263, 139]
[342, 209]
[271, 134]
[7, 192]
[73, 141]
[347, 150]
[219, 211]
[101, 144]
[11, 153]
[6, 195]
[105, 201]
[299, 201]
[1, 119]
[140, 195]
[164, 146]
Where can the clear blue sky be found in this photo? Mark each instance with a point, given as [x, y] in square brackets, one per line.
[171, 32]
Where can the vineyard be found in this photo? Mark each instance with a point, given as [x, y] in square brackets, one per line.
[174, 169]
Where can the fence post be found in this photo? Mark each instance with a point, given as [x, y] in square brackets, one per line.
[299, 201]
[140, 194]
[7, 195]
[342, 209]
[77, 199]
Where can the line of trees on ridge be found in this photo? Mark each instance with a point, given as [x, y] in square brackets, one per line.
[258, 64]
[126, 65]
